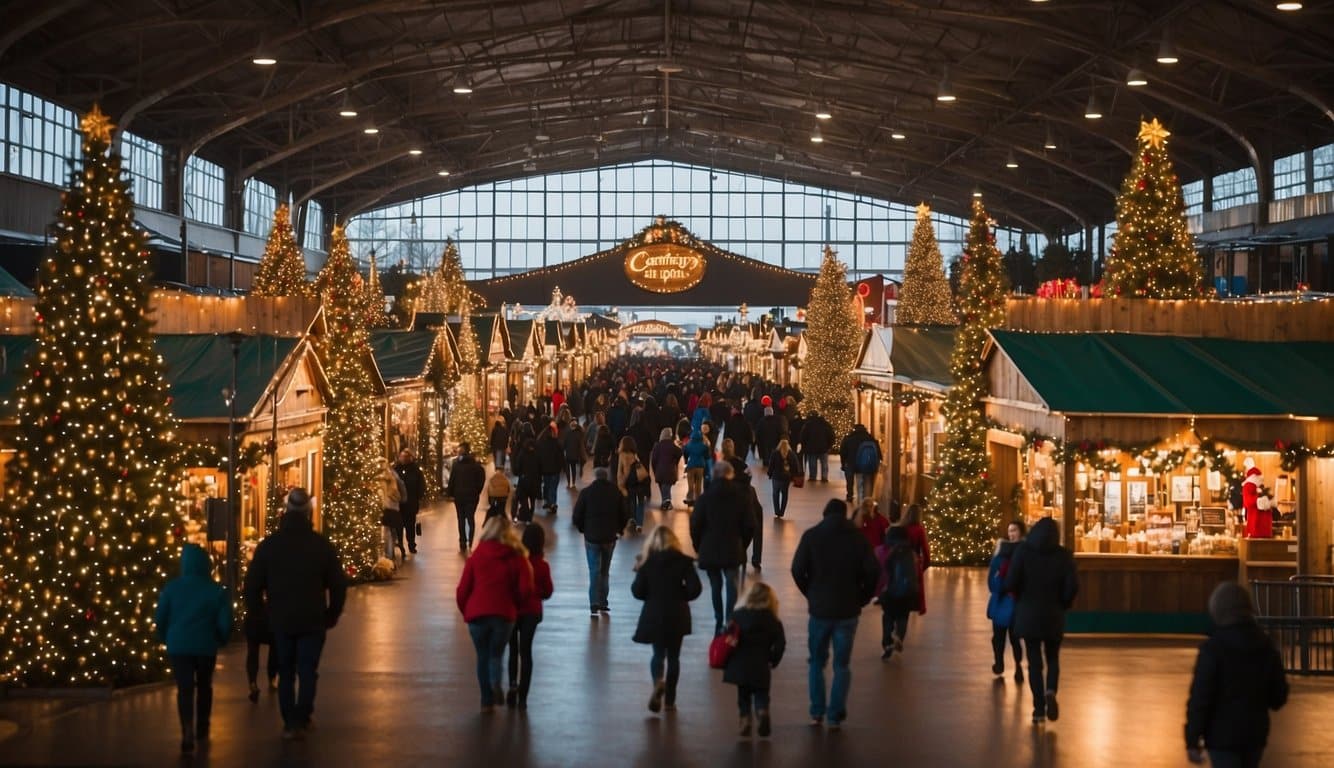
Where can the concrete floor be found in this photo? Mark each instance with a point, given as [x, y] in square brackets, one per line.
[398, 688]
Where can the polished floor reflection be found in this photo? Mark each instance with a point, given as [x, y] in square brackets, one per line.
[397, 688]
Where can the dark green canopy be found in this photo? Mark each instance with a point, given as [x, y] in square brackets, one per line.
[402, 354]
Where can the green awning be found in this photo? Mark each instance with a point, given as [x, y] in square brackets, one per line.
[923, 355]
[402, 354]
[1125, 373]
[11, 287]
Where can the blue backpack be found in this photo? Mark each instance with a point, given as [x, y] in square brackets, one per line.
[868, 457]
[901, 568]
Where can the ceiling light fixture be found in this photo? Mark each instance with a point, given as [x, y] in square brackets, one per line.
[946, 90]
[855, 171]
[414, 151]
[897, 134]
[1092, 111]
[264, 60]
[462, 86]
[822, 112]
[442, 172]
[347, 110]
[977, 191]
[1288, 6]
[1167, 52]
[816, 137]
[1010, 162]
[370, 130]
[1050, 141]
[542, 135]
[1135, 78]
[530, 166]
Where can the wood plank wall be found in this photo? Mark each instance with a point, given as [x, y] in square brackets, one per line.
[177, 312]
[1250, 320]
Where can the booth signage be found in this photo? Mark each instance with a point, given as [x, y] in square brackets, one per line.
[664, 267]
[651, 328]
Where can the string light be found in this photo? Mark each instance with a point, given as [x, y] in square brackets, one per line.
[925, 298]
[282, 270]
[465, 419]
[833, 339]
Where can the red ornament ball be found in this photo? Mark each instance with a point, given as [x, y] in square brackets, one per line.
[766, 401]
[1146, 157]
[1141, 184]
[89, 615]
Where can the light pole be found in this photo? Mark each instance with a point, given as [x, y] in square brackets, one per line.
[233, 484]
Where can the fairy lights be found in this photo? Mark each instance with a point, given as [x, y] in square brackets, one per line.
[282, 270]
[834, 336]
[925, 298]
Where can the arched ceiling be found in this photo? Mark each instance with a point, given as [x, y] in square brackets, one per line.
[568, 84]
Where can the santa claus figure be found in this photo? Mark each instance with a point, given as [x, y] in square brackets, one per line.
[1259, 516]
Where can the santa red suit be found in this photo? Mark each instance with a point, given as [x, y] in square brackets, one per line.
[1259, 522]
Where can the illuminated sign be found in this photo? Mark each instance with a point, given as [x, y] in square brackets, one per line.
[664, 267]
[651, 328]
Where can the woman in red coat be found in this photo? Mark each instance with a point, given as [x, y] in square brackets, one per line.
[497, 580]
[871, 523]
[912, 524]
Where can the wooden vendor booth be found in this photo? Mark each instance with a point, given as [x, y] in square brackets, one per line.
[1143, 446]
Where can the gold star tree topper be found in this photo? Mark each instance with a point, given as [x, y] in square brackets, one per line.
[923, 210]
[1153, 133]
[96, 125]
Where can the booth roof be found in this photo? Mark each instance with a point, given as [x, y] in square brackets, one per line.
[1125, 373]
[11, 287]
[402, 354]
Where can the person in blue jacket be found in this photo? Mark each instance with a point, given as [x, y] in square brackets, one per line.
[194, 618]
[1000, 606]
[698, 456]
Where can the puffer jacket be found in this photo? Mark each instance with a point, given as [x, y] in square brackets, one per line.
[193, 614]
[1042, 579]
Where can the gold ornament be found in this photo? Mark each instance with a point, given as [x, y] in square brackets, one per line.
[1153, 133]
[96, 125]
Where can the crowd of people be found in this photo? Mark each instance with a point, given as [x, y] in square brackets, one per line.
[711, 422]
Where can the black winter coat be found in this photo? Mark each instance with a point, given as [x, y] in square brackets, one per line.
[835, 569]
[666, 461]
[721, 526]
[769, 432]
[1238, 679]
[500, 436]
[292, 572]
[550, 454]
[817, 436]
[760, 648]
[413, 480]
[782, 472]
[467, 480]
[600, 512]
[847, 450]
[667, 581]
[528, 471]
[1043, 581]
[573, 441]
[740, 433]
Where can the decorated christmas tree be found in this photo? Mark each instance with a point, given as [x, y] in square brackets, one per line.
[353, 452]
[1153, 255]
[963, 507]
[465, 419]
[282, 270]
[456, 289]
[833, 339]
[375, 314]
[88, 535]
[925, 298]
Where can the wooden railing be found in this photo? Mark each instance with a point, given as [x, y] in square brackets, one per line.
[177, 312]
[1307, 320]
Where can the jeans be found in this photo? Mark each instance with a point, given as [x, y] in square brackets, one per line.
[194, 692]
[694, 483]
[298, 658]
[1038, 649]
[757, 542]
[780, 497]
[865, 485]
[521, 655]
[1224, 758]
[722, 611]
[666, 490]
[823, 633]
[599, 568]
[998, 634]
[849, 481]
[893, 623]
[467, 513]
[490, 635]
[499, 457]
[549, 484]
[817, 460]
[745, 694]
[522, 505]
[252, 661]
[667, 655]
[574, 472]
[392, 536]
[409, 509]
[637, 508]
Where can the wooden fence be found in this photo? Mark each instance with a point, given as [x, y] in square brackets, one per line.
[1310, 320]
[176, 312]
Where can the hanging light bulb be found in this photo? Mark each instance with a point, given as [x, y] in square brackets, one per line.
[1135, 78]
[1092, 110]
[1288, 6]
[1010, 162]
[1167, 52]
[822, 112]
[462, 85]
[897, 134]
[946, 90]
[816, 137]
[347, 110]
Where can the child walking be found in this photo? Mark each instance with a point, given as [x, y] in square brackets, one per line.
[899, 579]
[530, 615]
[759, 649]
[666, 580]
[193, 618]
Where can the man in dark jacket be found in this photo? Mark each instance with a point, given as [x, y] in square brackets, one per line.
[772, 428]
[600, 514]
[739, 432]
[815, 440]
[297, 578]
[465, 486]
[836, 570]
[1238, 679]
[415, 484]
[721, 527]
[1043, 582]
[551, 458]
[500, 441]
[847, 456]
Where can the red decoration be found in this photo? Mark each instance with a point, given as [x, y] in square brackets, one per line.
[1146, 158]
[1141, 184]
[766, 401]
[129, 408]
[1280, 446]
[89, 615]
[863, 290]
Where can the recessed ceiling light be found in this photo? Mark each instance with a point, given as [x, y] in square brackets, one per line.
[370, 130]
[442, 172]
[414, 151]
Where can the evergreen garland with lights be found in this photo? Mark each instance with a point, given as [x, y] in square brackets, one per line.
[925, 298]
[963, 506]
[833, 339]
[282, 270]
[1153, 255]
[88, 536]
[466, 423]
[353, 447]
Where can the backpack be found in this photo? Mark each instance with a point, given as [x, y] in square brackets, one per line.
[901, 572]
[868, 457]
[641, 473]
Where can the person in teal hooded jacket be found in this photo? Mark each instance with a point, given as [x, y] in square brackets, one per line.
[194, 618]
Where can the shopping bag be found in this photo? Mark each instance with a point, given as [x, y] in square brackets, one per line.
[799, 481]
[722, 646]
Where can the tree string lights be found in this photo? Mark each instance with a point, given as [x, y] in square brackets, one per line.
[963, 506]
[87, 541]
[833, 339]
[925, 298]
[282, 270]
[465, 423]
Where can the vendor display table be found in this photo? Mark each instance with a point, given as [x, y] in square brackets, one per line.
[1146, 593]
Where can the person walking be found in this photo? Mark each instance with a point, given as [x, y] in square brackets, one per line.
[772, 428]
[551, 459]
[1238, 679]
[528, 481]
[849, 459]
[529, 616]
[815, 440]
[741, 477]
[258, 633]
[499, 441]
[603, 446]
[576, 453]
[870, 522]
[740, 433]
[1000, 606]
[666, 462]
[296, 575]
[759, 648]
[466, 483]
[600, 515]
[721, 527]
[916, 532]
[666, 581]
[497, 580]
[193, 618]
[698, 456]
[835, 569]
[392, 491]
[632, 478]
[1043, 581]
[498, 489]
[900, 585]
[414, 483]
[783, 467]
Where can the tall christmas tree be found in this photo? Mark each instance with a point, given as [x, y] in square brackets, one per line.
[1153, 255]
[465, 419]
[88, 535]
[375, 314]
[925, 298]
[282, 270]
[352, 446]
[833, 339]
[456, 290]
[963, 507]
